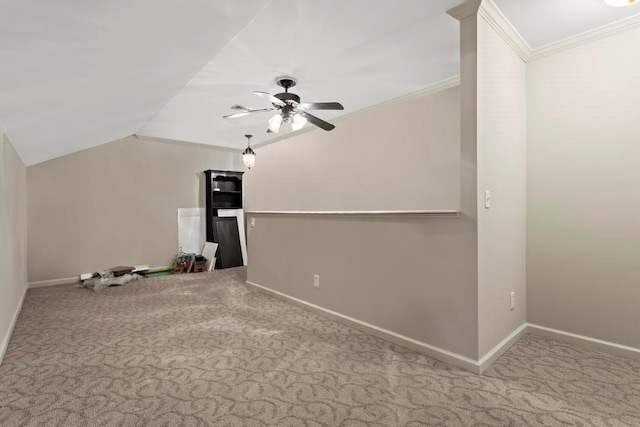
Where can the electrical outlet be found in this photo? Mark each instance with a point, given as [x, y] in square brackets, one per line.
[513, 300]
[316, 280]
[253, 222]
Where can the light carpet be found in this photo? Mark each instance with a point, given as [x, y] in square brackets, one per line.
[204, 349]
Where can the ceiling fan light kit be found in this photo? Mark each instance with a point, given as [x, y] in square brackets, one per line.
[298, 122]
[274, 123]
[289, 108]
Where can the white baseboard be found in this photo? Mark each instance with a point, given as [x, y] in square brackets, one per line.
[455, 359]
[53, 282]
[504, 345]
[593, 343]
[437, 353]
[5, 340]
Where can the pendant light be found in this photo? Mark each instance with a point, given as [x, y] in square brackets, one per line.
[248, 155]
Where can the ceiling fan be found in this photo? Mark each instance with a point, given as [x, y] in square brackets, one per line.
[289, 108]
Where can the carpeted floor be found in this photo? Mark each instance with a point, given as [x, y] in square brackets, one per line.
[203, 349]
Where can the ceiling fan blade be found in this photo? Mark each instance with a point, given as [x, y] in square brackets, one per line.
[233, 116]
[240, 107]
[316, 121]
[245, 111]
[270, 97]
[322, 106]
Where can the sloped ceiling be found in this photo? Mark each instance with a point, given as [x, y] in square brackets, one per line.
[357, 52]
[76, 74]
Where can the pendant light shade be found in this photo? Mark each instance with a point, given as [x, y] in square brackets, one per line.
[248, 155]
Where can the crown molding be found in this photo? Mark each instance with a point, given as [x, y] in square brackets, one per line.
[464, 10]
[496, 19]
[427, 90]
[186, 143]
[586, 37]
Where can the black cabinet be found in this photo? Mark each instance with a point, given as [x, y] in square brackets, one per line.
[223, 191]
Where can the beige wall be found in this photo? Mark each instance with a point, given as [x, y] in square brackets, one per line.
[13, 237]
[412, 276]
[502, 150]
[404, 156]
[583, 198]
[115, 204]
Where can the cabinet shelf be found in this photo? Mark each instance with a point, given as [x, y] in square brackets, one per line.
[225, 207]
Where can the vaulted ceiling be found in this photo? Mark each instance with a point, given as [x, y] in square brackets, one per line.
[76, 74]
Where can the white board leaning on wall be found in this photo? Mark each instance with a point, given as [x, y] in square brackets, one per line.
[192, 230]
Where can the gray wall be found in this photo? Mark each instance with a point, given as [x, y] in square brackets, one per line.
[413, 276]
[13, 237]
[115, 204]
[583, 198]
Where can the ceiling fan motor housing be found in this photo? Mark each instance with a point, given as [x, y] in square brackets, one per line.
[290, 100]
[285, 96]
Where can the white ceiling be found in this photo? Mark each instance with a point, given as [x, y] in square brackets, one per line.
[541, 22]
[76, 74]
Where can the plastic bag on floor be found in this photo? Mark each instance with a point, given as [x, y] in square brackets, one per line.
[105, 279]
